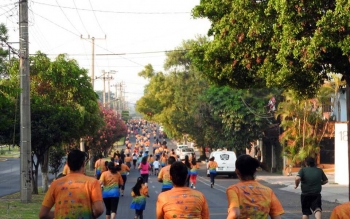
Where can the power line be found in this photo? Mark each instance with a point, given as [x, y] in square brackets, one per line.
[96, 17]
[80, 17]
[67, 17]
[86, 39]
[115, 12]
[7, 11]
[132, 53]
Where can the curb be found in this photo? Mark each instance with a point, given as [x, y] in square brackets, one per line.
[3, 159]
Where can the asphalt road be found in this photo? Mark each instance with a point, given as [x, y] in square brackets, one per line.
[216, 197]
[10, 176]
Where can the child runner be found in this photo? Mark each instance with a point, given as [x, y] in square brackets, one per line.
[156, 165]
[193, 173]
[139, 193]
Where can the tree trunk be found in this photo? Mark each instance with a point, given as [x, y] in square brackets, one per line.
[91, 161]
[44, 171]
[35, 176]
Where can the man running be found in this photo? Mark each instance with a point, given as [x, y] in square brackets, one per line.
[312, 179]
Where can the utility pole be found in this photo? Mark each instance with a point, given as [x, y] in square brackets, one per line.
[108, 78]
[115, 102]
[92, 57]
[25, 126]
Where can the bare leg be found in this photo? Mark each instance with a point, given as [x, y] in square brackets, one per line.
[113, 215]
[305, 217]
[318, 213]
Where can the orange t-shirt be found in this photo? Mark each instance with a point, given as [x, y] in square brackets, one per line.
[74, 191]
[253, 199]
[66, 170]
[100, 166]
[341, 211]
[182, 202]
[127, 159]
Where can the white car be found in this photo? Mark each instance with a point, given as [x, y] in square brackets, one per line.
[182, 152]
[226, 163]
[161, 128]
[182, 146]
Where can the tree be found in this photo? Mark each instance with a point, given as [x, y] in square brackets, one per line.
[56, 155]
[243, 113]
[260, 44]
[64, 107]
[114, 129]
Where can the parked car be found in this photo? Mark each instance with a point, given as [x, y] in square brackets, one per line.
[161, 128]
[181, 146]
[226, 163]
[182, 152]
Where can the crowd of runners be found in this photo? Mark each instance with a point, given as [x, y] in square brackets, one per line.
[76, 195]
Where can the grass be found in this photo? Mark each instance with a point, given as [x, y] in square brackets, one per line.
[14, 152]
[11, 206]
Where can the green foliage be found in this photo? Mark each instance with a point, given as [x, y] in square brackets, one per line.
[303, 124]
[287, 44]
[64, 107]
[56, 159]
[184, 103]
[113, 130]
[243, 113]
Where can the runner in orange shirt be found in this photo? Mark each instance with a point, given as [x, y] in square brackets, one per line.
[212, 165]
[99, 167]
[164, 175]
[66, 169]
[249, 198]
[74, 191]
[341, 211]
[181, 201]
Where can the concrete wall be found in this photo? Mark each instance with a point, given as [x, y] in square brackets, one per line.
[341, 171]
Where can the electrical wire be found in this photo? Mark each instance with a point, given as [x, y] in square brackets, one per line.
[96, 17]
[133, 53]
[67, 17]
[87, 39]
[7, 11]
[116, 12]
[80, 17]
[262, 116]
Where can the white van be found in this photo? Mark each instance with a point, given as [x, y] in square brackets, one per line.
[226, 163]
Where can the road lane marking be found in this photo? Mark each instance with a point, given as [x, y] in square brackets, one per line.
[204, 182]
[217, 185]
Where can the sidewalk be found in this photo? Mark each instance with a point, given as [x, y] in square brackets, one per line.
[331, 192]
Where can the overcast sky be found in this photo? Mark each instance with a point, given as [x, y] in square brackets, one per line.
[141, 30]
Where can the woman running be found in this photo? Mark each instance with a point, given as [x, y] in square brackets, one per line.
[144, 169]
[150, 161]
[124, 171]
[212, 165]
[128, 160]
[110, 181]
[188, 165]
[193, 173]
[248, 198]
[139, 193]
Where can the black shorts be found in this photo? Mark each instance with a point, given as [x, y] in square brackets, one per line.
[111, 205]
[310, 202]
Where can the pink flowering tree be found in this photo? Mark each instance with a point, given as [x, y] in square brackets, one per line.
[113, 130]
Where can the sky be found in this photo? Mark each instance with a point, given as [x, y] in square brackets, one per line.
[133, 32]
